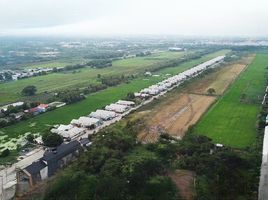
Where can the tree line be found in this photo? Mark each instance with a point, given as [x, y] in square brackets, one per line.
[116, 166]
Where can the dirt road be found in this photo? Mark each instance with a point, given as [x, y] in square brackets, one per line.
[184, 180]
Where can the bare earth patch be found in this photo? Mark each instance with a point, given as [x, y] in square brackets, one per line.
[221, 79]
[175, 117]
[184, 180]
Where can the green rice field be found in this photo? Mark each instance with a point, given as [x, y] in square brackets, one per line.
[232, 120]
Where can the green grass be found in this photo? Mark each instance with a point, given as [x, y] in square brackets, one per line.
[92, 102]
[231, 121]
[55, 63]
[67, 113]
[11, 158]
[47, 64]
[11, 91]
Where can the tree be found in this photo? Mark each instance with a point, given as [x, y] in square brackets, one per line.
[29, 90]
[51, 139]
[130, 96]
[8, 76]
[30, 138]
[3, 122]
[243, 97]
[54, 69]
[211, 91]
[13, 109]
[5, 153]
[159, 188]
[70, 96]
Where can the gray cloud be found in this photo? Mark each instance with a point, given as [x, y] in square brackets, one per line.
[86, 17]
[43, 13]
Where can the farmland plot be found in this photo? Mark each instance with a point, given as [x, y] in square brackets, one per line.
[181, 109]
[232, 120]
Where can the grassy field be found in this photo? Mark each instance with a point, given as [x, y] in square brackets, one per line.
[65, 114]
[47, 64]
[55, 63]
[11, 91]
[231, 121]
[92, 102]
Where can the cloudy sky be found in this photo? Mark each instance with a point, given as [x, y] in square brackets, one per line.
[106, 17]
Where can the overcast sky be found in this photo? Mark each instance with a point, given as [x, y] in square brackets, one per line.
[105, 17]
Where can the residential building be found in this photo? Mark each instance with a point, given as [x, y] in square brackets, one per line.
[17, 104]
[125, 103]
[43, 107]
[117, 108]
[68, 131]
[103, 114]
[86, 122]
[47, 165]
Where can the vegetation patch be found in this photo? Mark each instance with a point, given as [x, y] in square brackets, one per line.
[232, 120]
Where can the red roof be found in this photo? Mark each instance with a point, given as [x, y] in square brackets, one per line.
[35, 109]
[43, 106]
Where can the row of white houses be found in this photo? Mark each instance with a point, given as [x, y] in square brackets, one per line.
[177, 79]
[93, 120]
[111, 111]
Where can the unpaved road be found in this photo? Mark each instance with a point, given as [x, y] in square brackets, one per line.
[184, 180]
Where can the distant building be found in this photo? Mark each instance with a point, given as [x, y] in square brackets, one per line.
[33, 111]
[17, 104]
[142, 95]
[43, 107]
[39, 140]
[175, 49]
[148, 74]
[37, 110]
[117, 108]
[125, 103]
[56, 104]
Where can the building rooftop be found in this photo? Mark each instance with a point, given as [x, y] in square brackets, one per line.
[43, 106]
[61, 151]
[84, 141]
[127, 103]
[35, 167]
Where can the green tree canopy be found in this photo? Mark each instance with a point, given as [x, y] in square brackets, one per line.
[29, 90]
[51, 139]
